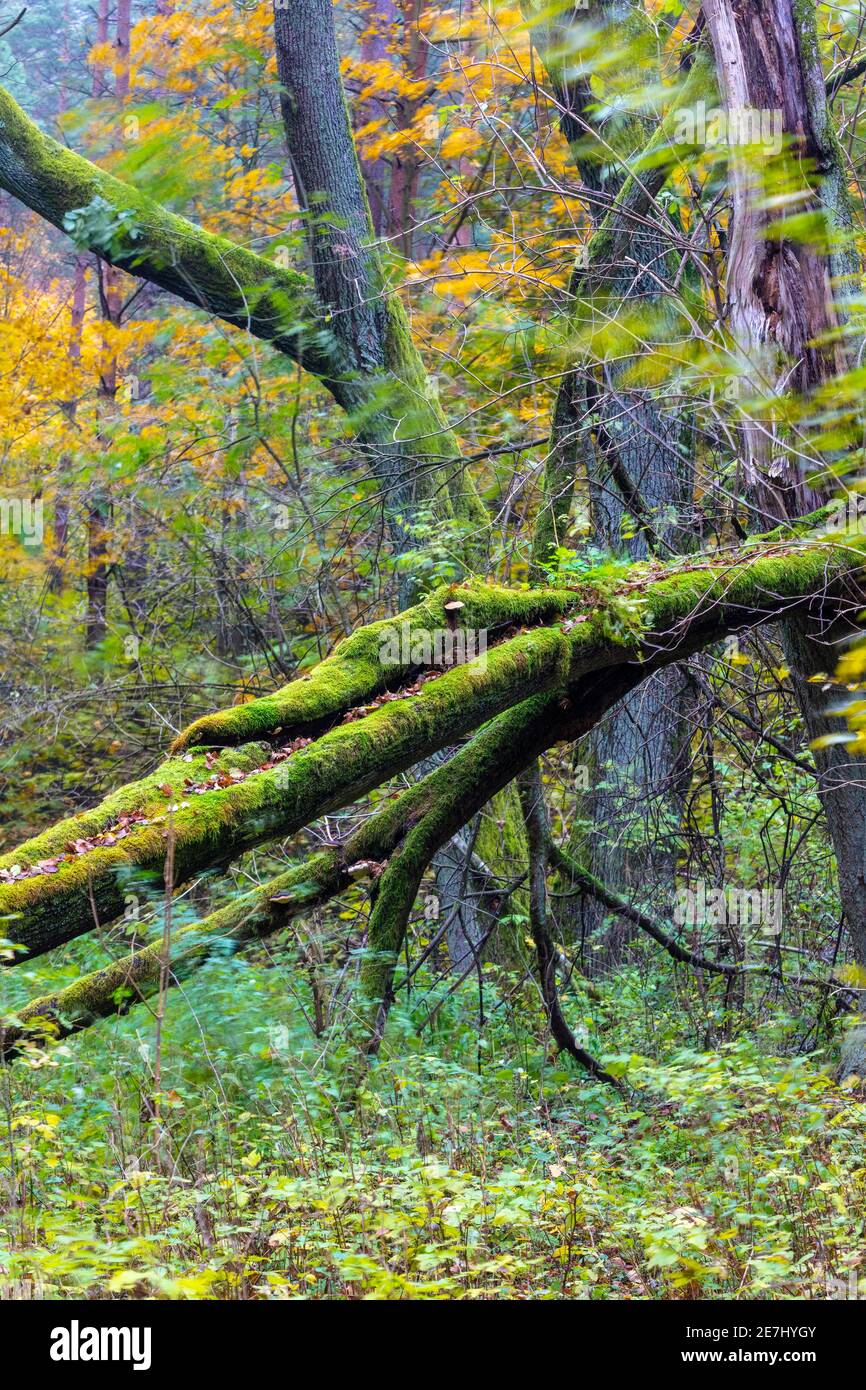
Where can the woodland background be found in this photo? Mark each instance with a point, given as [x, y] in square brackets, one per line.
[210, 532]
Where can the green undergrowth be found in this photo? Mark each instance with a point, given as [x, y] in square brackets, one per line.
[475, 1165]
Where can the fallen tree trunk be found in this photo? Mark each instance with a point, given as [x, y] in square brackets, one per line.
[410, 828]
[70, 878]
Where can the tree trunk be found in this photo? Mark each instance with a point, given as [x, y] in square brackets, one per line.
[786, 302]
[99, 502]
[638, 468]
[76, 324]
[381, 22]
[406, 440]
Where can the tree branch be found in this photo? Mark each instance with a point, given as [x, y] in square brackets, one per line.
[138, 235]
[55, 882]
[538, 838]
[590, 884]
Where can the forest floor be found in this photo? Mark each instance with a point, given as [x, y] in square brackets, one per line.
[474, 1164]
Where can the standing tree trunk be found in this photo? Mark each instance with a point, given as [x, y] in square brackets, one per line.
[61, 506]
[110, 300]
[406, 164]
[636, 459]
[76, 325]
[786, 302]
[405, 438]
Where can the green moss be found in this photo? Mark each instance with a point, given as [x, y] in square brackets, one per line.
[356, 671]
[146, 796]
[692, 606]
[716, 592]
[207, 270]
[807, 32]
[452, 794]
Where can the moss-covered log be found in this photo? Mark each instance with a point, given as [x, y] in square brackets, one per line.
[654, 616]
[376, 658]
[216, 825]
[414, 825]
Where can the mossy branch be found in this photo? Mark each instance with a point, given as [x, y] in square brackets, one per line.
[414, 824]
[377, 657]
[208, 271]
[401, 428]
[679, 609]
[581, 878]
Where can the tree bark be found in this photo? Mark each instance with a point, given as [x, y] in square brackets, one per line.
[381, 22]
[637, 464]
[70, 878]
[787, 301]
[407, 442]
